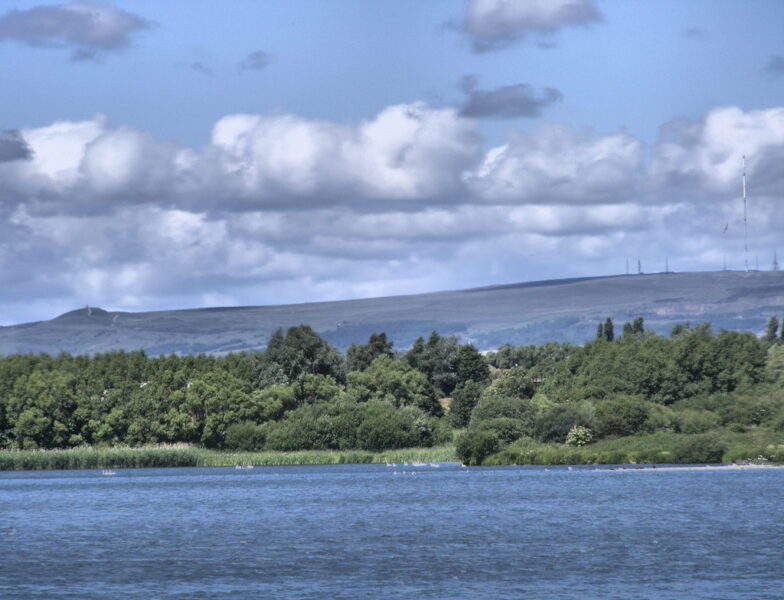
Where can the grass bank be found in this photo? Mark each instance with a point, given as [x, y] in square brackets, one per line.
[189, 456]
[658, 448]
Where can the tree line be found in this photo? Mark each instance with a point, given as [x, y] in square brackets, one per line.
[301, 393]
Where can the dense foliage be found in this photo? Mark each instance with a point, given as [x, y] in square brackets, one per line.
[302, 394]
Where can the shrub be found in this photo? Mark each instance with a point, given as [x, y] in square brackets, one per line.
[383, 432]
[506, 429]
[699, 448]
[554, 424]
[778, 421]
[579, 436]
[492, 407]
[695, 421]
[621, 415]
[245, 436]
[474, 446]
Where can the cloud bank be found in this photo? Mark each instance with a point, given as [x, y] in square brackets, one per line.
[279, 208]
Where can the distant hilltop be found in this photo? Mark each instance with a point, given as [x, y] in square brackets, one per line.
[521, 313]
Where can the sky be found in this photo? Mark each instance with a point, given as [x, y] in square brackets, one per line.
[186, 153]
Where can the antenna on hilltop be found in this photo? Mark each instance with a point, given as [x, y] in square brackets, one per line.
[639, 267]
[775, 265]
[745, 223]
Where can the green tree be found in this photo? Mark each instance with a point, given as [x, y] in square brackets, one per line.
[301, 351]
[438, 360]
[464, 399]
[360, 356]
[638, 326]
[609, 333]
[395, 382]
[772, 333]
[471, 365]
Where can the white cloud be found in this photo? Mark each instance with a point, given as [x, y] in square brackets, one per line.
[406, 152]
[283, 208]
[58, 151]
[707, 155]
[557, 164]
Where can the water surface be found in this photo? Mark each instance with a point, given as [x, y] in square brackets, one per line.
[375, 531]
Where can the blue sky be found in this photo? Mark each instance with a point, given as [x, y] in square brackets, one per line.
[190, 153]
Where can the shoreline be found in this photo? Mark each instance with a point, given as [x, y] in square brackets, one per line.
[698, 467]
[86, 458]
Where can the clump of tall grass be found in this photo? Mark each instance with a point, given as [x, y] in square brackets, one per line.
[327, 457]
[121, 457]
[181, 455]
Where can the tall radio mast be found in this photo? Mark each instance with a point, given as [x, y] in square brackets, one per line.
[745, 223]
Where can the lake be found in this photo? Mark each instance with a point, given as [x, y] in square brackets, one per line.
[376, 531]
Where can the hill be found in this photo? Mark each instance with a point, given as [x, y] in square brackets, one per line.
[522, 313]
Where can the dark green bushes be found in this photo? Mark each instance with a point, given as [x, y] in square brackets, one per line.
[473, 447]
[700, 448]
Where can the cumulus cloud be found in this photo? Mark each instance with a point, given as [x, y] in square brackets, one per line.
[89, 30]
[775, 66]
[282, 208]
[495, 24]
[255, 61]
[13, 146]
[706, 155]
[506, 102]
[406, 152]
[557, 164]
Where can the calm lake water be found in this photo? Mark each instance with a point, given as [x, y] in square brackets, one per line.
[372, 531]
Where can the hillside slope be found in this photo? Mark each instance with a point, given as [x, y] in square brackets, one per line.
[534, 312]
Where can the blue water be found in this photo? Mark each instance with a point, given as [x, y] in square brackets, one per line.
[371, 531]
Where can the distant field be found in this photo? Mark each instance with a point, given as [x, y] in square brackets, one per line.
[523, 313]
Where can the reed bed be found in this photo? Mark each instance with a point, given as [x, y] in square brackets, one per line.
[100, 458]
[180, 455]
[328, 457]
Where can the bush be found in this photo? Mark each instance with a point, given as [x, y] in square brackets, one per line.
[555, 423]
[245, 436]
[778, 421]
[492, 407]
[699, 448]
[309, 427]
[506, 429]
[695, 421]
[384, 432]
[474, 446]
[621, 416]
[579, 436]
